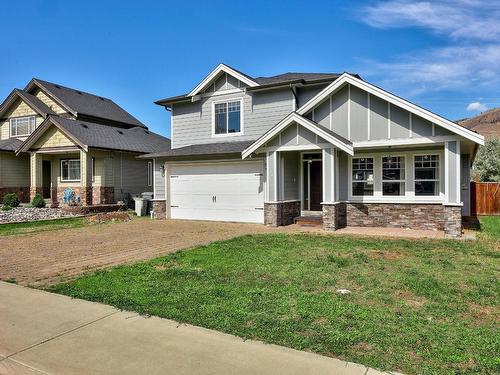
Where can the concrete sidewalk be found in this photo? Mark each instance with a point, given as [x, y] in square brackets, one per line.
[44, 333]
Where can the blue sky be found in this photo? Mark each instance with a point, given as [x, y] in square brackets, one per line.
[443, 55]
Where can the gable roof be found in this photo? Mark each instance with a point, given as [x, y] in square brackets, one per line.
[330, 136]
[393, 99]
[10, 144]
[32, 101]
[88, 134]
[219, 69]
[254, 83]
[79, 102]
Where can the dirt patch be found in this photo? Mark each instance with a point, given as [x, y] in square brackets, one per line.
[389, 255]
[108, 216]
[53, 256]
[321, 320]
[410, 299]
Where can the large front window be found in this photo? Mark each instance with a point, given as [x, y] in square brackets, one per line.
[427, 175]
[362, 176]
[227, 117]
[70, 170]
[21, 126]
[393, 175]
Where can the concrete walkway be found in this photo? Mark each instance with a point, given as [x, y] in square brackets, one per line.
[44, 333]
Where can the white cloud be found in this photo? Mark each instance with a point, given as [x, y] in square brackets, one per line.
[470, 61]
[476, 107]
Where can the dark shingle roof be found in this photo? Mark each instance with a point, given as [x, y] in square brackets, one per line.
[136, 139]
[290, 77]
[31, 100]
[88, 104]
[204, 149]
[10, 144]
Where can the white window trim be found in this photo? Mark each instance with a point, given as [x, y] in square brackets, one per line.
[93, 168]
[241, 118]
[150, 173]
[350, 175]
[19, 118]
[61, 170]
[382, 173]
[409, 196]
[438, 180]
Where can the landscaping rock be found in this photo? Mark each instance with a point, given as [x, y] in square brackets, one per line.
[109, 216]
[23, 214]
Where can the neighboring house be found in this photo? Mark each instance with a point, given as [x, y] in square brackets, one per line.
[487, 123]
[269, 149]
[53, 138]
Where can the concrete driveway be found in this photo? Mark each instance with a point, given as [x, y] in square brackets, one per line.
[48, 257]
[44, 333]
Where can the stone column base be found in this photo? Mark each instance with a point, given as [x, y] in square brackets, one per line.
[334, 215]
[159, 209]
[281, 213]
[33, 191]
[452, 221]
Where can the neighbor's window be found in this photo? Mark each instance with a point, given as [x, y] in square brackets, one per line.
[427, 175]
[362, 176]
[70, 170]
[228, 117]
[393, 175]
[20, 126]
[150, 173]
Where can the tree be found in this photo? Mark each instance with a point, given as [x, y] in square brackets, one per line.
[487, 164]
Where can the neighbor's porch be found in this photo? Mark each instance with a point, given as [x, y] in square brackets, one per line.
[74, 176]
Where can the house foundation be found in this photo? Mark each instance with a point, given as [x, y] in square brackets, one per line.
[281, 213]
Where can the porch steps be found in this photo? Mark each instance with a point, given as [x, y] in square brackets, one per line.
[309, 221]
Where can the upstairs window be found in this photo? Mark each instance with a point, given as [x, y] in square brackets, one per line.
[427, 175]
[362, 176]
[227, 118]
[393, 175]
[22, 126]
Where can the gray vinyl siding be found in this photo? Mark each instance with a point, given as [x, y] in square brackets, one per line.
[14, 170]
[288, 137]
[321, 114]
[192, 122]
[306, 93]
[130, 176]
[159, 179]
[359, 114]
[291, 175]
[421, 127]
[400, 123]
[340, 112]
[378, 118]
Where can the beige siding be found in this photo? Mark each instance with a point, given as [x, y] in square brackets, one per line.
[53, 137]
[19, 109]
[14, 170]
[49, 102]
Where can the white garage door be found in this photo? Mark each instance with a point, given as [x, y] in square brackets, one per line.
[221, 192]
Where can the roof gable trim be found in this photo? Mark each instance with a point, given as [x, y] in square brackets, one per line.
[222, 68]
[40, 130]
[393, 99]
[308, 124]
[35, 83]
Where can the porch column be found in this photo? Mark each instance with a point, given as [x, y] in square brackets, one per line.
[35, 174]
[273, 176]
[334, 212]
[452, 203]
[85, 178]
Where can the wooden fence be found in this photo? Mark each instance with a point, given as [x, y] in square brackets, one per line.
[485, 198]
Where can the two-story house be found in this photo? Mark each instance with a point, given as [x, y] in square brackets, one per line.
[54, 138]
[270, 149]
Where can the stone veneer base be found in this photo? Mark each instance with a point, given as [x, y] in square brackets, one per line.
[281, 213]
[159, 209]
[23, 193]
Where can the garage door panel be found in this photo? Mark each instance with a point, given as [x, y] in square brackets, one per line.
[238, 188]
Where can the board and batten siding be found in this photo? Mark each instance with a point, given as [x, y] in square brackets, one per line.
[192, 122]
[358, 116]
[14, 170]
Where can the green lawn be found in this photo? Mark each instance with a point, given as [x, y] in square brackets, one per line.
[41, 226]
[417, 306]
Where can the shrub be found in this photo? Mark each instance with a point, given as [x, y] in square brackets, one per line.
[487, 163]
[6, 208]
[38, 201]
[11, 200]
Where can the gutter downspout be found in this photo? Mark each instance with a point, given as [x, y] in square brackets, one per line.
[296, 99]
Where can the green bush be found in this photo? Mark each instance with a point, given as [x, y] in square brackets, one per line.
[11, 200]
[487, 163]
[6, 208]
[38, 201]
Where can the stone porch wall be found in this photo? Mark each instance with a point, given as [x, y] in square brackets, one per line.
[159, 209]
[23, 193]
[281, 213]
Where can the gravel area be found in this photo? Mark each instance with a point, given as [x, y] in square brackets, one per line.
[21, 214]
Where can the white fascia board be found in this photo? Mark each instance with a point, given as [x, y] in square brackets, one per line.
[293, 117]
[215, 72]
[393, 99]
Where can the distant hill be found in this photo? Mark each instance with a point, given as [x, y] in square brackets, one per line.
[486, 123]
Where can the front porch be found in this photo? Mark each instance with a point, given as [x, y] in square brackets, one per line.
[69, 177]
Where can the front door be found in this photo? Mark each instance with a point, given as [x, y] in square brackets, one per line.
[46, 178]
[313, 182]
